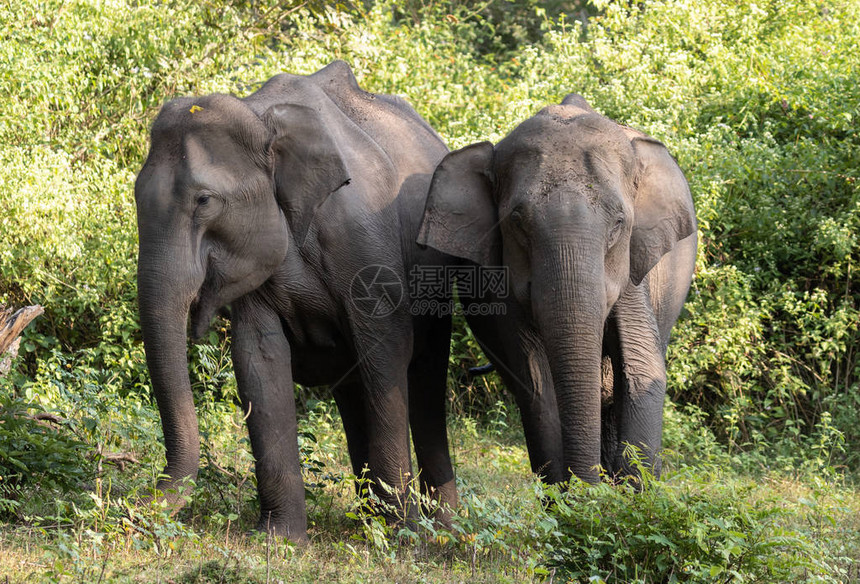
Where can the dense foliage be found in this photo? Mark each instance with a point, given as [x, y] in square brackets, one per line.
[758, 101]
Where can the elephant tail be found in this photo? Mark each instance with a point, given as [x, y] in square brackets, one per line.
[474, 372]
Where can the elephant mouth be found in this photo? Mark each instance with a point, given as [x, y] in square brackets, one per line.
[201, 313]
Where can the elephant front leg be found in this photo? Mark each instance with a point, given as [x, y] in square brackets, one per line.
[261, 357]
[640, 381]
[527, 373]
[611, 375]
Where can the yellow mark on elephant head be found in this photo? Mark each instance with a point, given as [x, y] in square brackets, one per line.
[195, 108]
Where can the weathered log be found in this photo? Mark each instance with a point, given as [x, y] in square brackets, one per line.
[11, 326]
[119, 459]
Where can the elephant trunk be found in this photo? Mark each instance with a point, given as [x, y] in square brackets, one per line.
[163, 318]
[569, 306]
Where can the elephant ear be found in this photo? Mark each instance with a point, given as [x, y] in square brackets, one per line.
[308, 165]
[662, 208]
[460, 217]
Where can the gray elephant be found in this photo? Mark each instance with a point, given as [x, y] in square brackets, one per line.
[299, 207]
[595, 224]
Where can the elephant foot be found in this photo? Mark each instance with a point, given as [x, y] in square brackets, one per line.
[293, 530]
[622, 468]
[444, 500]
[169, 494]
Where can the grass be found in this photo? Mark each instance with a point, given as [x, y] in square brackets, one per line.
[210, 546]
[803, 526]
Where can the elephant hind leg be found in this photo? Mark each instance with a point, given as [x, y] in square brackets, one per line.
[383, 350]
[349, 397]
[428, 375]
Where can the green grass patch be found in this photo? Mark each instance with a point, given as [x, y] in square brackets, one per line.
[700, 523]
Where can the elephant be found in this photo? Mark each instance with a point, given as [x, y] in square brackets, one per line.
[595, 224]
[297, 208]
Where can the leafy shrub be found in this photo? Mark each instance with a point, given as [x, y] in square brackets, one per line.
[704, 531]
[37, 455]
[491, 30]
[693, 527]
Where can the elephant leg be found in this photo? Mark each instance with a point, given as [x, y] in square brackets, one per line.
[527, 373]
[428, 374]
[349, 397]
[640, 392]
[609, 415]
[261, 357]
[609, 442]
[519, 356]
[384, 353]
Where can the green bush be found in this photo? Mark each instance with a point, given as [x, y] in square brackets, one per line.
[704, 531]
[37, 455]
[695, 527]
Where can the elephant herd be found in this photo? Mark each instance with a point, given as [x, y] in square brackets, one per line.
[336, 224]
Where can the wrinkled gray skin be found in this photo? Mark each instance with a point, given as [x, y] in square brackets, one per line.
[273, 204]
[596, 226]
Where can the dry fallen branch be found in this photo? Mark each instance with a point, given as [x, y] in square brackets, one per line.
[120, 459]
[11, 326]
[46, 417]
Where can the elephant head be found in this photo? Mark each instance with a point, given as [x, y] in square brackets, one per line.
[577, 208]
[223, 194]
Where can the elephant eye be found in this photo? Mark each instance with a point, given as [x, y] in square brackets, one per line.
[517, 217]
[615, 232]
[203, 199]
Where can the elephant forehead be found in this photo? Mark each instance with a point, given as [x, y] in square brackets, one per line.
[590, 142]
[557, 196]
[223, 122]
[548, 159]
[219, 166]
[214, 110]
[571, 169]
